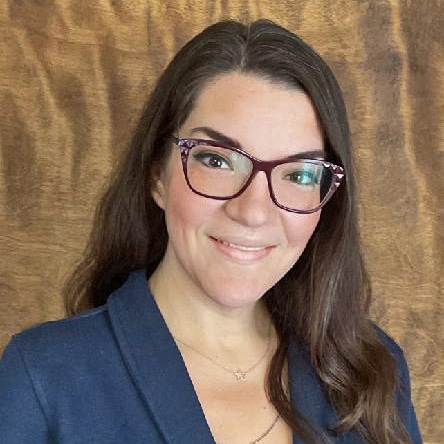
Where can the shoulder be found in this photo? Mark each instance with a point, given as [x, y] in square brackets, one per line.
[67, 328]
[64, 339]
[403, 385]
[48, 359]
[390, 344]
[403, 392]
[395, 350]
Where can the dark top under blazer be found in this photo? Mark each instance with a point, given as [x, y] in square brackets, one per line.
[114, 375]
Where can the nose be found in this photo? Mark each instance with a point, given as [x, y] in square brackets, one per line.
[254, 206]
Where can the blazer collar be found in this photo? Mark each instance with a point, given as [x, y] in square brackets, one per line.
[159, 371]
[155, 363]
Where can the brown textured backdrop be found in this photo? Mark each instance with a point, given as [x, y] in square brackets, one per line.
[74, 74]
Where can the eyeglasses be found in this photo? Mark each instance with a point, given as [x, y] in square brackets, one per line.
[218, 171]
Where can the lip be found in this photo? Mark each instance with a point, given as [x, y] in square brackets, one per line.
[241, 251]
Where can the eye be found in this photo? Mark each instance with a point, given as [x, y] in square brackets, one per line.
[303, 177]
[212, 160]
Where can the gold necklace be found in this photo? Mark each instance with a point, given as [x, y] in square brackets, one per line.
[240, 375]
[263, 435]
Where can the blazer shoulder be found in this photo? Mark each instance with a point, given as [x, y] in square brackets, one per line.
[391, 345]
[63, 335]
[398, 355]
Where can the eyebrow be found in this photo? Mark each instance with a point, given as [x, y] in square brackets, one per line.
[226, 140]
[217, 136]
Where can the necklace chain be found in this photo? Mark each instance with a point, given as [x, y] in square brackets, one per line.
[240, 375]
[263, 435]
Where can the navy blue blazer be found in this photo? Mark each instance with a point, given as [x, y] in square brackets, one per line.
[114, 375]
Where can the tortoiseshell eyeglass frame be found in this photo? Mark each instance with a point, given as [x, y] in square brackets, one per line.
[186, 145]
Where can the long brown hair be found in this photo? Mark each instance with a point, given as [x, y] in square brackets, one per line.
[323, 300]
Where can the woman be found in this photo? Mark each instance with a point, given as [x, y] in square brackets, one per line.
[226, 291]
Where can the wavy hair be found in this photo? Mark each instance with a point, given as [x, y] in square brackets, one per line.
[323, 301]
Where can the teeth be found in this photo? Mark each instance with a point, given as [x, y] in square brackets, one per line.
[241, 247]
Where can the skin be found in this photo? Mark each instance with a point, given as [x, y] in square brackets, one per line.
[210, 293]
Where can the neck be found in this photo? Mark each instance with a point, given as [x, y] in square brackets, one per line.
[195, 318]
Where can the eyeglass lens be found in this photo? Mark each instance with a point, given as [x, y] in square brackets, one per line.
[221, 172]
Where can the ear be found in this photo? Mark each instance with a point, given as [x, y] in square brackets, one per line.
[158, 191]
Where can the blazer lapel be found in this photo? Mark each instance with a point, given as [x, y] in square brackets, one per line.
[159, 372]
[305, 390]
[156, 364]
[308, 397]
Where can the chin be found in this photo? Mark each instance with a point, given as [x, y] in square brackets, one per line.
[236, 294]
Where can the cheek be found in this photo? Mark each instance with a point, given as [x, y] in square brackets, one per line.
[185, 211]
[300, 228]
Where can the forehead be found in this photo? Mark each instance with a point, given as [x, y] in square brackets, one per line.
[269, 120]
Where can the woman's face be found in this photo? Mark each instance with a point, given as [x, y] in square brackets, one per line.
[233, 251]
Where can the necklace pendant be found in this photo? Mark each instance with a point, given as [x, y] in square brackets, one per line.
[240, 375]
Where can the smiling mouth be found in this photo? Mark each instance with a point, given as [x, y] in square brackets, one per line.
[240, 247]
[242, 254]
